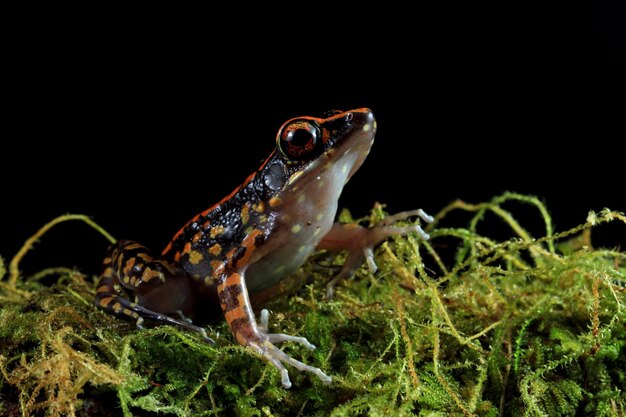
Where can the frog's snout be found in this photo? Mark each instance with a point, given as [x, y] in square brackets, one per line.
[362, 119]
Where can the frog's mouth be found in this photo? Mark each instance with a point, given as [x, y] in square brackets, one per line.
[352, 141]
[359, 138]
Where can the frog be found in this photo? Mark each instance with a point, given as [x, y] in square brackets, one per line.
[237, 254]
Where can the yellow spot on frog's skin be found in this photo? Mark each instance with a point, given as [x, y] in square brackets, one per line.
[296, 228]
[117, 307]
[302, 248]
[344, 169]
[248, 230]
[245, 214]
[317, 231]
[197, 236]
[275, 201]
[216, 231]
[119, 261]
[195, 257]
[366, 127]
[151, 274]
[129, 264]
[187, 247]
[105, 301]
[259, 208]
[262, 219]
[208, 280]
[126, 279]
[103, 288]
[215, 249]
[279, 269]
[319, 216]
[301, 198]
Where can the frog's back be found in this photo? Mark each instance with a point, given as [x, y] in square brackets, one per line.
[216, 234]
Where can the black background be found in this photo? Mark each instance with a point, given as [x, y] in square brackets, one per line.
[141, 129]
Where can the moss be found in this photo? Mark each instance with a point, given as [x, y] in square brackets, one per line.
[464, 324]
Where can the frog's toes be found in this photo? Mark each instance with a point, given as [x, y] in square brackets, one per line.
[277, 357]
[363, 240]
[403, 215]
[346, 272]
[184, 318]
[386, 226]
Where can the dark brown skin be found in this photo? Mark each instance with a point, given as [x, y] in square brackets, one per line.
[253, 239]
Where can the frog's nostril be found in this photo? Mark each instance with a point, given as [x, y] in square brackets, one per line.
[349, 117]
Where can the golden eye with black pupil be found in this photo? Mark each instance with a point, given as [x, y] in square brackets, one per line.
[301, 140]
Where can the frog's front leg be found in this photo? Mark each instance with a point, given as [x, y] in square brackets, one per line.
[235, 303]
[360, 242]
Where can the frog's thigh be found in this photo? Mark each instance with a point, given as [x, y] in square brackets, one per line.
[160, 287]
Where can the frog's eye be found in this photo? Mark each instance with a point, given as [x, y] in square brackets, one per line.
[301, 140]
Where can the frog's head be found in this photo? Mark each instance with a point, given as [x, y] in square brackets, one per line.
[327, 150]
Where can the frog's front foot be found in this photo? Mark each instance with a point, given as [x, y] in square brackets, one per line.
[277, 357]
[361, 241]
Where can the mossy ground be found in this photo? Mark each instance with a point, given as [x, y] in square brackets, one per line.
[463, 324]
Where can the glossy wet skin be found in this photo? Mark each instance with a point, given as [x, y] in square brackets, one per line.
[308, 200]
[254, 238]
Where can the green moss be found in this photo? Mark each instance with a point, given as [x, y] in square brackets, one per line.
[529, 325]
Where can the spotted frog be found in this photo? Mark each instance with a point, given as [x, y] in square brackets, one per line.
[237, 253]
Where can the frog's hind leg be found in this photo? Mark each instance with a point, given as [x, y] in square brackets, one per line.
[235, 304]
[108, 289]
